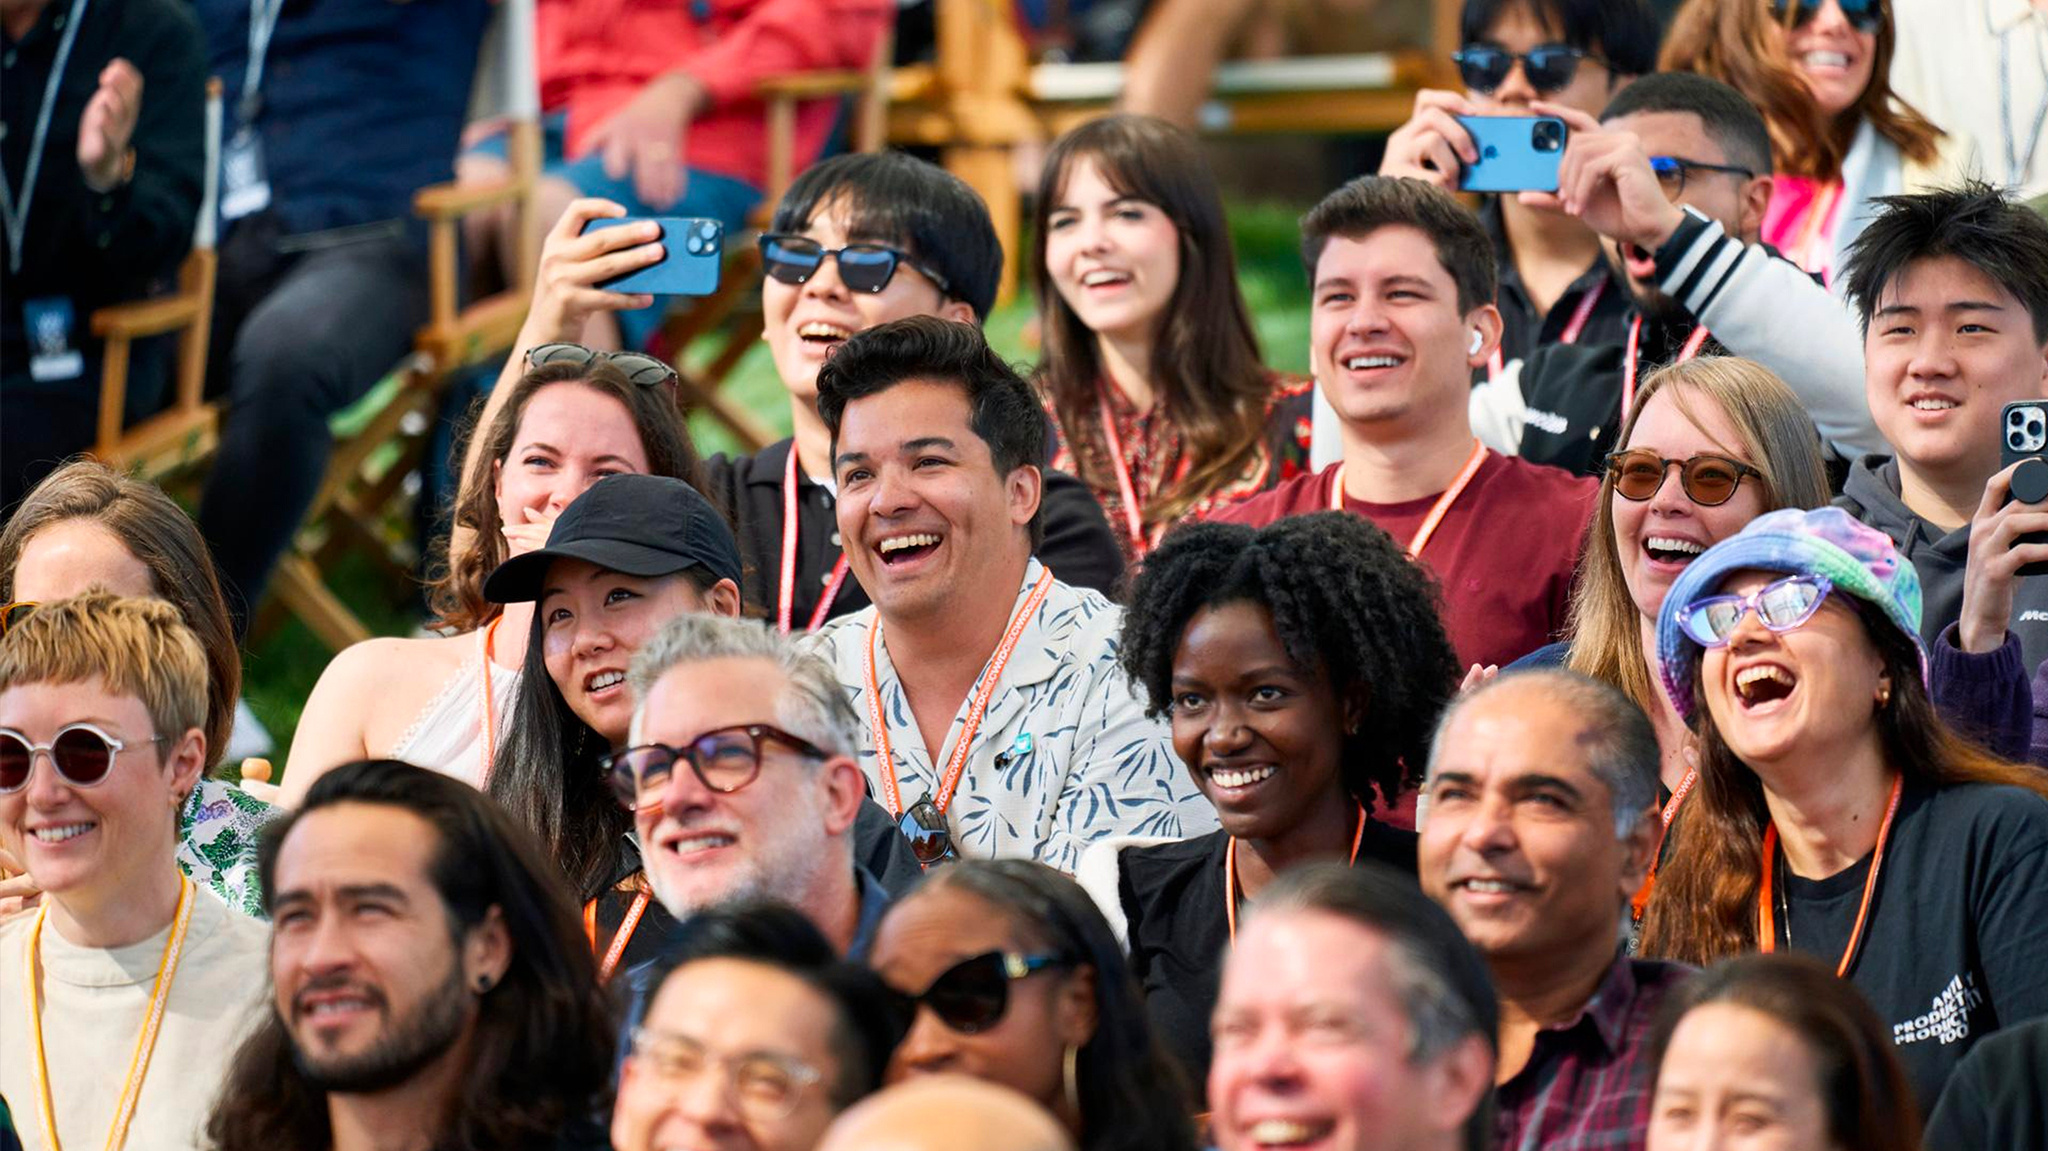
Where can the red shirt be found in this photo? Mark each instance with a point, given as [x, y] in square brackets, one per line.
[595, 55]
[1503, 554]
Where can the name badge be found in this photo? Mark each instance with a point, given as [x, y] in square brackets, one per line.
[244, 184]
[52, 356]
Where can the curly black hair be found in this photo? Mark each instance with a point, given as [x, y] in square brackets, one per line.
[1345, 599]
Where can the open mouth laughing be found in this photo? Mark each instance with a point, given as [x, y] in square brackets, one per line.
[907, 548]
[1289, 1132]
[1762, 686]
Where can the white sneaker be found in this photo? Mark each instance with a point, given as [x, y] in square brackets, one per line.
[248, 737]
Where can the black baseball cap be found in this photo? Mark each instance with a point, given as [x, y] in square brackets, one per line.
[640, 525]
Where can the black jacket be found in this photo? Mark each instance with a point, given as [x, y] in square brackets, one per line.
[1079, 546]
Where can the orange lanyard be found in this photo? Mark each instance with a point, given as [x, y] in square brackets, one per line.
[487, 707]
[1436, 511]
[1230, 870]
[990, 674]
[1693, 344]
[145, 1045]
[1766, 921]
[1641, 899]
[786, 588]
[620, 938]
[1573, 329]
[1142, 541]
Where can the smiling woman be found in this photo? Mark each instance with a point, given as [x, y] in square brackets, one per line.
[1302, 666]
[1836, 813]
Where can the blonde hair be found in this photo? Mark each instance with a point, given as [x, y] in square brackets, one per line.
[135, 647]
[1776, 435]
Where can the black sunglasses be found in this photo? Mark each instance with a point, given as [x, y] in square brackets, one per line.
[1548, 67]
[1862, 15]
[639, 367]
[972, 995]
[81, 753]
[1709, 480]
[725, 761]
[793, 259]
[924, 825]
[1672, 172]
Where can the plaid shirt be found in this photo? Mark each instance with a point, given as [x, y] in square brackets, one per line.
[1587, 1083]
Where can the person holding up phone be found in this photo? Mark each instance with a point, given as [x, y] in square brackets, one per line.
[1952, 287]
[1576, 53]
[1673, 178]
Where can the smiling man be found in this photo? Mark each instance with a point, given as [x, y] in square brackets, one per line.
[1953, 289]
[1674, 179]
[998, 722]
[1353, 1017]
[1402, 281]
[431, 984]
[1541, 822]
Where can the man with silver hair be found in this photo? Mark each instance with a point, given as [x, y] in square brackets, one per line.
[741, 753]
[1540, 825]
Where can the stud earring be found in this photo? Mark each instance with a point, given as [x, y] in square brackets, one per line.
[1884, 696]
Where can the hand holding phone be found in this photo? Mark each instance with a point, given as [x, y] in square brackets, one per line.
[693, 252]
[1515, 153]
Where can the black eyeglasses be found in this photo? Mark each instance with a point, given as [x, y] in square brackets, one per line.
[12, 614]
[639, 367]
[1862, 15]
[725, 761]
[793, 259]
[1548, 67]
[81, 753]
[1709, 480]
[1672, 172]
[972, 995]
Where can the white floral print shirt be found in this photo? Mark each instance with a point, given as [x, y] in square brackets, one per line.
[1065, 754]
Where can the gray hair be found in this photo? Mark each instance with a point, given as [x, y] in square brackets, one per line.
[811, 704]
[1433, 972]
[1615, 736]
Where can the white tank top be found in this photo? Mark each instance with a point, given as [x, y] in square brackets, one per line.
[448, 735]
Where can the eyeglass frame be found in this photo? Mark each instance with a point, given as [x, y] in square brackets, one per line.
[616, 762]
[1578, 55]
[115, 747]
[1742, 471]
[805, 1075]
[14, 611]
[1685, 168]
[898, 257]
[1015, 965]
[1746, 604]
[670, 378]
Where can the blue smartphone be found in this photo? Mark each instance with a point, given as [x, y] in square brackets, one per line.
[1516, 153]
[689, 267]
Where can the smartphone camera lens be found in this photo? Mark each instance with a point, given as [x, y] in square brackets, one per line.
[1546, 136]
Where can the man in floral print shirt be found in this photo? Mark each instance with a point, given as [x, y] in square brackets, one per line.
[997, 722]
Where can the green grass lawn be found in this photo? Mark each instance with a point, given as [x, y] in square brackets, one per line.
[283, 666]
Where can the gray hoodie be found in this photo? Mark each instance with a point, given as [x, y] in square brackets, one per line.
[1872, 495]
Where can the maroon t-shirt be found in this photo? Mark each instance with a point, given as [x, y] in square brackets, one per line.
[1504, 552]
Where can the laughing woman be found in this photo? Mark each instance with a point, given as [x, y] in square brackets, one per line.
[1151, 371]
[1303, 668]
[1836, 814]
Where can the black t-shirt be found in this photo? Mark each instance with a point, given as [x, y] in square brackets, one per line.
[1998, 1097]
[1956, 946]
[1172, 896]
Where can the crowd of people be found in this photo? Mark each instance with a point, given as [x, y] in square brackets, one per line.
[1576, 716]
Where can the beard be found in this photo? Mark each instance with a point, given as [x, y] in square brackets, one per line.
[407, 1046]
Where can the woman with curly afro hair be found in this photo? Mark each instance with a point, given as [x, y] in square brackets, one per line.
[1302, 666]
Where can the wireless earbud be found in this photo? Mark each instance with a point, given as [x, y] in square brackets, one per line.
[1478, 339]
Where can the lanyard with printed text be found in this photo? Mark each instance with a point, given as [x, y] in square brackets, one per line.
[16, 218]
[990, 673]
[1436, 511]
